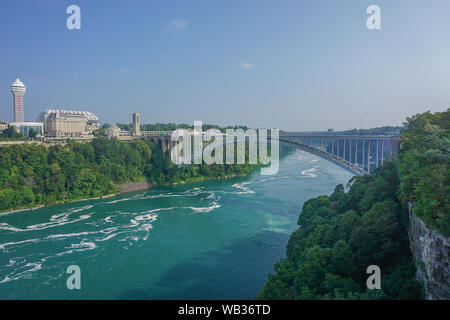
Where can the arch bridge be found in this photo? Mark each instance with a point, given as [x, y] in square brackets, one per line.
[359, 154]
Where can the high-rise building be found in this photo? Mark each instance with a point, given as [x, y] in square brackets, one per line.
[18, 90]
[136, 124]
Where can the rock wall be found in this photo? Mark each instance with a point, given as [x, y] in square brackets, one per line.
[431, 252]
[134, 186]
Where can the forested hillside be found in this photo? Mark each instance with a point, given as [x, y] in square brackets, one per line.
[340, 235]
[33, 175]
[424, 168]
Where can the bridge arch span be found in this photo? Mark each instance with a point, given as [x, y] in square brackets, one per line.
[357, 154]
[352, 169]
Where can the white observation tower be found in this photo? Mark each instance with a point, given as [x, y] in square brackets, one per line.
[18, 90]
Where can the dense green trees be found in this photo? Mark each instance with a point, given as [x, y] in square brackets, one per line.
[424, 168]
[10, 134]
[31, 174]
[340, 236]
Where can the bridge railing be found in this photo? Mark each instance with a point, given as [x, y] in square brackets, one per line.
[156, 133]
[341, 136]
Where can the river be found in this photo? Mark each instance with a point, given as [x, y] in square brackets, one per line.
[210, 240]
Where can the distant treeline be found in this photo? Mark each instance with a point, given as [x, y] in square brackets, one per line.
[32, 174]
[340, 235]
[387, 130]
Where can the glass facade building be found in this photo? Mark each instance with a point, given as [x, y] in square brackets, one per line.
[24, 128]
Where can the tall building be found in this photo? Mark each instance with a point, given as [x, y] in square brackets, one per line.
[136, 124]
[18, 90]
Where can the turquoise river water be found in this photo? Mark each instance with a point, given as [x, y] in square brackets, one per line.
[210, 240]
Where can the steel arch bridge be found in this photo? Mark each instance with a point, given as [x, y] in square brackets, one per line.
[358, 154]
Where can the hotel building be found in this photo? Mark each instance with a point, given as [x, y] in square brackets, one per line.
[68, 123]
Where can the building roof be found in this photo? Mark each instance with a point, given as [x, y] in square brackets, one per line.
[18, 83]
[86, 114]
[23, 124]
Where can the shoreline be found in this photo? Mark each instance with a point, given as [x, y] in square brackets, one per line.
[127, 187]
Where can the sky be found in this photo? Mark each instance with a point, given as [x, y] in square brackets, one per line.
[289, 64]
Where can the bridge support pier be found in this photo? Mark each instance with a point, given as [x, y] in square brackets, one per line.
[332, 146]
[377, 153]
[350, 151]
[363, 156]
[338, 149]
[344, 151]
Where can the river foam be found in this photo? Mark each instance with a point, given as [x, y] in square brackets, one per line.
[309, 173]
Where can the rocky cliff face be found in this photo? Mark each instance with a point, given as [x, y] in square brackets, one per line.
[431, 252]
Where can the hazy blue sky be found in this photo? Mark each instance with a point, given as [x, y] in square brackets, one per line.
[291, 64]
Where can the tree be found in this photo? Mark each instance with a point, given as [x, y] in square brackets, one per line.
[424, 168]
[32, 133]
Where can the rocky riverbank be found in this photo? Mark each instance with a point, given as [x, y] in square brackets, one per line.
[134, 186]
